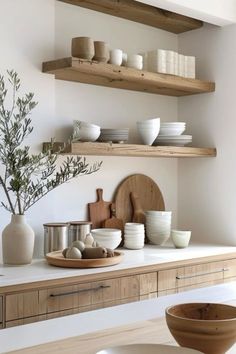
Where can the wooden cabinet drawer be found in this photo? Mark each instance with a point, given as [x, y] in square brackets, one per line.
[80, 295]
[230, 266]
[59, 301]
[1, 311]
[190, 276]
[22, 305]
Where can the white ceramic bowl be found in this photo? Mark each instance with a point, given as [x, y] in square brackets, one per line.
[109, 242]
[134, 234]
[158, 239]
[158, 213]
[107, 232]
[171, 131]
[180, 239]
[109, 238]
[148, 349]
[148, 136]
[134, 226]
[133, 246]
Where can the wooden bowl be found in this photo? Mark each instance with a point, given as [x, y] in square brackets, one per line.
[209, 328]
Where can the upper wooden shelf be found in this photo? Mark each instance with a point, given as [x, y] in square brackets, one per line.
[92, 72]
[132, 150]
[142, 13]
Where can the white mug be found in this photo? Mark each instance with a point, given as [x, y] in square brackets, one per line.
[116, 57]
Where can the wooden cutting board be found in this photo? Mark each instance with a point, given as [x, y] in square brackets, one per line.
[114, 222]
[150, 196]
[99, 211]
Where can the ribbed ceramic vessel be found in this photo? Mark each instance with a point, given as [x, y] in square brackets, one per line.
[17, 242]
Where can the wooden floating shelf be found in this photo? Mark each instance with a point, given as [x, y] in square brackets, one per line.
[142, 13]
[110, 149]
[92, 72]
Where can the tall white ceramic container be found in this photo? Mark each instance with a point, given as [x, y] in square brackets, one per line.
[17, 241]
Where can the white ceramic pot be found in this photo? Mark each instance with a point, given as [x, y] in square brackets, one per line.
[17, 241]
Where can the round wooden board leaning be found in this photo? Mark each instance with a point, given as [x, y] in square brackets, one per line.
[58, 260]
[146, 189]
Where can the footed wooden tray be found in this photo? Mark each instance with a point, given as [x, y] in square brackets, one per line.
[57, 259]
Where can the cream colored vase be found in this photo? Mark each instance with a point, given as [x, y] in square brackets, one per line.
[17, 241]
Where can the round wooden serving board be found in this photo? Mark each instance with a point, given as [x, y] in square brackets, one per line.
[57, 259]
[145, 188]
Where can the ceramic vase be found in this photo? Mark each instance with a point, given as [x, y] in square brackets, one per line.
[17, 241]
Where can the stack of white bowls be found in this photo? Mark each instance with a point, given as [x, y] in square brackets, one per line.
[134, 236]
[148, 130]
[109, 238]
[84, 131]
[158, 226]
[171, 134]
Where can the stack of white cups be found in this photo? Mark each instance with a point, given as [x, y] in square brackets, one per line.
[134, 235]
[158, 226]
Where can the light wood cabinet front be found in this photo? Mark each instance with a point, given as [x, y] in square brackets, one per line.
[22, 305]
[190, 277]
[1, 311]
[33, 306]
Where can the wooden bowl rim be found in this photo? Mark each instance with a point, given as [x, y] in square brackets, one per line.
[167, 312]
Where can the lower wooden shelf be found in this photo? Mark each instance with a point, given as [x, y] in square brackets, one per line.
[110, 149]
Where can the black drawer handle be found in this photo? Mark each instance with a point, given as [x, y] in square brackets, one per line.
[179, 277]
[81, 291]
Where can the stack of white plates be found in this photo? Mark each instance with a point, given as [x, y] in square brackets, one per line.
[134, 236]
[114, 135]
[158, 226]
[171, 134]
[173, 140]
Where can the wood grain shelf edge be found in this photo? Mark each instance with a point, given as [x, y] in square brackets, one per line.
[142, 13]
[103, 74]
[133, 150]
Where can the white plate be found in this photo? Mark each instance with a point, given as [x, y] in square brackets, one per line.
[148, 349]
[174, 137]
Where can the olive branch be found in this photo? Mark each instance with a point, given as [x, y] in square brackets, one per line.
[29, 177]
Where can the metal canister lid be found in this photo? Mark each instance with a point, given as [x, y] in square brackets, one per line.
[80, 222]
[56, 224]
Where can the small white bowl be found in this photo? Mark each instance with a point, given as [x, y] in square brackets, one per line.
[180, 238]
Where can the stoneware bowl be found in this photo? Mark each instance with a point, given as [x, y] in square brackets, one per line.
[207, 327]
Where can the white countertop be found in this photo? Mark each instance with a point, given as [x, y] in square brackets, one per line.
[60, 328]
[39, 270]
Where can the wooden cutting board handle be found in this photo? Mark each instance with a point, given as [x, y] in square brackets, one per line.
[138, 213]
[99, 211]
[100, 194]
[113, 210]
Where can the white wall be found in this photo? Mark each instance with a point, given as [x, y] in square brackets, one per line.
[217, 12]
[207, 188]
[29, 34]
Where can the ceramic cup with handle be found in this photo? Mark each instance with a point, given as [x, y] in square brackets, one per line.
[116, 57]
[101, 51]
[82, 47]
